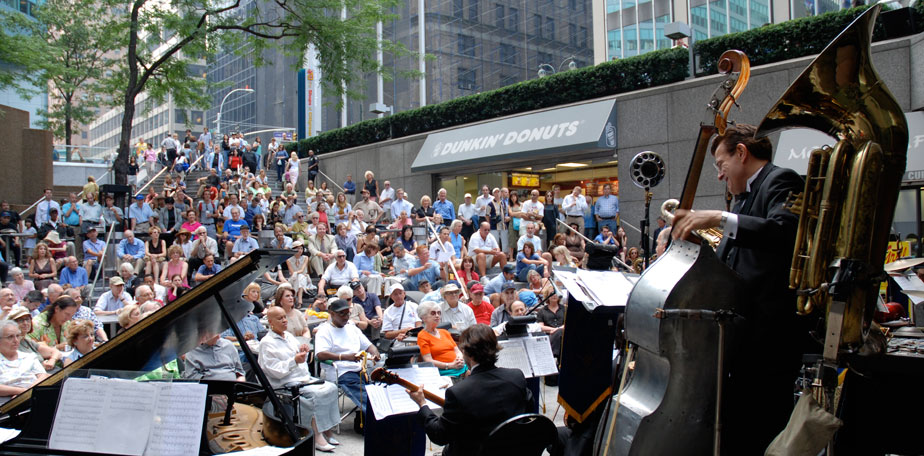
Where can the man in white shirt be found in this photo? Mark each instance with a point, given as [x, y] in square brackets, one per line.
[481, 204]
[386, 197]
[342, 342]
[532, 210]
[530, 236]
[442, 249]
[485, 249]
[232, 205]
[400, 316]
[44, 207]
[468, 213]
[573, 206]
[460, 315]
[341, 272]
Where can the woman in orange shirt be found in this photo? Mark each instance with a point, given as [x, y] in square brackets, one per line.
[436, 345]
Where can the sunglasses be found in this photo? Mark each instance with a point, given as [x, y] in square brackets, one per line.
[435, 312]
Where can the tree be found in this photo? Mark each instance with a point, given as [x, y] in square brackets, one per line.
[161, 40]
[65, 49]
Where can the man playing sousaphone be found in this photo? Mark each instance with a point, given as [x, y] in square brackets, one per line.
[759, 234]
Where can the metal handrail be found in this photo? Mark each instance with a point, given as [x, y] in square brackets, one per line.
[23, 213]
[331, 180]
[152, 179]
[99, 268]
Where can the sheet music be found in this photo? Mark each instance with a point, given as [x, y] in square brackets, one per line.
[260, 451]
[387, 400]
[7, 434]
[177, 424]
[608, 288]
[539, 350]
[103, 416]
[910, 281]
[570, 281]
[514, 356]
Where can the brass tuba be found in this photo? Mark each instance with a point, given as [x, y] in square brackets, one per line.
[850, 189]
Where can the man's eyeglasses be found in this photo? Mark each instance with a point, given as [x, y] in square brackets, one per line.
[13, 337]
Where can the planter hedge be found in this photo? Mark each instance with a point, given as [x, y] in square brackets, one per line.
[768, 44]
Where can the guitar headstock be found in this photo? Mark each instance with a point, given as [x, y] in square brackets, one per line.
[384, 376]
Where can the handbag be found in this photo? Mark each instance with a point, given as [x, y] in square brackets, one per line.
[516, 224]
[383, 345]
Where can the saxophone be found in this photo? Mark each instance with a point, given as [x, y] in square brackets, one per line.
[851, 189]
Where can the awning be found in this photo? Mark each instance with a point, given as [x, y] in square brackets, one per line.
[586, 127]
[794, 147]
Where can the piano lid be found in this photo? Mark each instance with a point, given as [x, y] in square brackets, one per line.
[174, 329]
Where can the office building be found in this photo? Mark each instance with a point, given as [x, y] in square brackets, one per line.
[9, 96]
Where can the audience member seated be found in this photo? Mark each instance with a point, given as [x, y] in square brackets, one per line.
[131, 250]
[50, 327]
[32, 302]
[407, 239]
[116, 298]
[202, 247]
[321, 247]
[94, 249]
[175, 266]
[297, 325]
[551, 318]
[155, 252]
[20, 286]
[480, 305]
[400, 316]
[176, 288]
[80, 338]
[502, 311]
[232, 230]
[208, 269]
[517, 309]
[18, 370]
[284, 360]
[343, 343]
[49, 356]
[424, 268]
[372, 308]
[474, 407]
[280, 240]
[436, 344]
[213, 359]
[7, 301]
[73, 275]
[494, 287]
[338, 273]
[537, 284]
[245, 243]
[461, 316]
[529, 261]
[42, 267]
[485, 249]
[86, 313]
[365, 263]
[128, 316]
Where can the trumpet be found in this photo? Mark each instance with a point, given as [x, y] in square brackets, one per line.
[712, 236]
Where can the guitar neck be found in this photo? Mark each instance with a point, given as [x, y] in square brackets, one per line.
[412, 387]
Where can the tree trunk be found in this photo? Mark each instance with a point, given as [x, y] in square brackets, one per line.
[121, 162]
[68, 120]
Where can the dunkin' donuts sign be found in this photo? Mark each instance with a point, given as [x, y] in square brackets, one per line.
[579, 128]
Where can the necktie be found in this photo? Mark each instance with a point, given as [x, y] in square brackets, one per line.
[740, 200]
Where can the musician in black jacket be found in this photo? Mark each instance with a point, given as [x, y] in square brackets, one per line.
[759, 235]
[476, 405]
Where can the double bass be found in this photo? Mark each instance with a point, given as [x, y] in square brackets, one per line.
[669, 404]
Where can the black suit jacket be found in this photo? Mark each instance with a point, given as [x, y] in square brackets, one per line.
[761, 254]
[475, 406]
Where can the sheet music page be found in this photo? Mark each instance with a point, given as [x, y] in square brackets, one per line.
[103, 416]
[514, 356]
[378, 399]
[910, 281]
[608, 288]
[390, 400]
[7, 434]
[177, 423]
[570, 281]
[539, 350]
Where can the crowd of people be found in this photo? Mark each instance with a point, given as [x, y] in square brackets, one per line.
[366, 260]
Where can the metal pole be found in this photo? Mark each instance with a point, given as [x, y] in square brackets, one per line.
[379, 81]
[451, 264]
[592, 242]
[331, 180]
[222, 106]
[99, 267]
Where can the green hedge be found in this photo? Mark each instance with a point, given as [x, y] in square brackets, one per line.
[768, 44]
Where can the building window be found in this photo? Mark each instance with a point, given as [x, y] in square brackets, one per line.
[572, 35]
[180, 116]
[197, 117]
[466, 78]
[499, 15]
[508, 54]
[506, 80]
[549, 28]
[573, 5]
[473, 10]
[457, 8]
[537, 25]
[513, 19]
[582, 39]
[466, 45]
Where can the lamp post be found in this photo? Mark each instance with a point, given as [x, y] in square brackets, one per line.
[222, 105]
[678, 31]
[546, 69]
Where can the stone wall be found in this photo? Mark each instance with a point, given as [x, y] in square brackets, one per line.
[26, 157]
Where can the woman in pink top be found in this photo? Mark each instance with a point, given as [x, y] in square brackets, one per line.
[174, 266]
[191, 222]
[150, 157]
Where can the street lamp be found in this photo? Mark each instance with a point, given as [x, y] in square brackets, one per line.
[546, 69]
[222, 105]
[678, 31]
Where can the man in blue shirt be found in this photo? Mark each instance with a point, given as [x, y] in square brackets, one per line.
[372, 307]
[131, 250]
[425, 268]
[73, 276]
[251, 328]
[245, 243]
[141, 215]
[606, 210]
[496, 284]
[208, 269]
[232, 231]
[253, 209]
[444, 207]
[349, 188]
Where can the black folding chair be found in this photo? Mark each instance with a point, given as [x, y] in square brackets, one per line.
[527, 434]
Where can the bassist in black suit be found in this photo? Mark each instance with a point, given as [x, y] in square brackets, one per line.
[476, 405]
[759, 234]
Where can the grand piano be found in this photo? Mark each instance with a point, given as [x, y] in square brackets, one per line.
[155, 341]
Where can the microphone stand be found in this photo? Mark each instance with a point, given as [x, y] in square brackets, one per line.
[646, 227]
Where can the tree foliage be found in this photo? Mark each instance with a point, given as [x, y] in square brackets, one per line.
[64, 48]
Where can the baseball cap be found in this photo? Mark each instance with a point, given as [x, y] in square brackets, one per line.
[477, 288]
[510, 267]
[508, 285]
[355, 284]
[338, 305]
[394, 287]
[139, 197]
[116, 281]
[91, 228]
[467, 195]
[6, 214]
